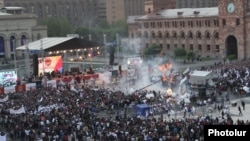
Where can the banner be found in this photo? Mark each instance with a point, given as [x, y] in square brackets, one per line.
[20, 88]
[10, 89]
[1, 90]
[19, 111]
[30, 86]
[51, 83]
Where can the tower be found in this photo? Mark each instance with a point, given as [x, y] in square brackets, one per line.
[232, 25]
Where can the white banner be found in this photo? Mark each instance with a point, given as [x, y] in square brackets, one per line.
[10, 89]
[3, 138]
[30, 86]
[19, 111]
[4, 99]
[51, 83]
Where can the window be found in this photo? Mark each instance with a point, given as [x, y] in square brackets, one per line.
[199, 35]
[167, 35]
[159, 24]
[139, 34]
[183, 35]
[208, 35]
[152, 24]
[217, 48]
[216, 35]
[200, 47]
[183, 46]
[223, 22]
[237, 22]
[175, 45]
[191, 47]
[168, 46]
[208, 48]
[153, 34]
[146, 34]
[175, 35]
[159, 34]
[190, 35]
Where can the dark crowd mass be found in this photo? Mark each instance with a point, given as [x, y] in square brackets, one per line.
[103, 114]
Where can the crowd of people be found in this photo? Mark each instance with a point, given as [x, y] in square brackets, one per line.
[104, 114]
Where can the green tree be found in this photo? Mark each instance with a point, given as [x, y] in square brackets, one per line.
[180, 52]
[152, 50]
[190, 56]
[103, 27]
[57, 27]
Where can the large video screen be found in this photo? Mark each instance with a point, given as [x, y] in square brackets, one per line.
[49, 64]
[8, 78]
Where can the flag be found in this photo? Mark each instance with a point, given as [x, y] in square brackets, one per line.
[20, 88]
[1, 90]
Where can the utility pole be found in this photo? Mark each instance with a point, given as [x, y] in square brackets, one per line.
[117, 45]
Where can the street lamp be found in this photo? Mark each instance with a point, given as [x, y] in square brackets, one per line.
[42, 55]
[104, 38]
[27, 60]
[89, 37]
[91, 61]
[14, 47]
[117, 45]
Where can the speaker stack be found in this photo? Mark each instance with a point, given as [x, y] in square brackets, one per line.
[35, 64]
[111, 56]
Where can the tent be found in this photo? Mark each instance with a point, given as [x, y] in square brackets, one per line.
[59, 43]
[200, 77]
[142, 110]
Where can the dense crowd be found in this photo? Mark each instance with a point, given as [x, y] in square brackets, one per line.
[60, 114]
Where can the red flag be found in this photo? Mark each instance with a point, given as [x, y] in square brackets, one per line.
[20, 88]
[1, 90]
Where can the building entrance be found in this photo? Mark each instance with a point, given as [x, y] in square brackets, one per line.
[231, 46]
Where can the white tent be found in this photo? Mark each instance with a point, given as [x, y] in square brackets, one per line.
[200, 77]
[44, 43]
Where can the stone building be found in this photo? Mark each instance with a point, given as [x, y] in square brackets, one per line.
[215, 32]
[17, 29]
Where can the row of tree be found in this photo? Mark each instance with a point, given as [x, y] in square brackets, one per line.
[59, 27]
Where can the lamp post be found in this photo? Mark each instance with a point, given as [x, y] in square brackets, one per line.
[104, 40]
[42, 55]
[27, 60]
[14, 47]
[89, 37]
[117, 45]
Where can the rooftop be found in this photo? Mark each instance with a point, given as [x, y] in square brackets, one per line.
[183, 12]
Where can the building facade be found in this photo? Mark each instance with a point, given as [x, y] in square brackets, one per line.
[152, 6]
[77, 12]
[213, 32]
[16, 30]
[196, 3]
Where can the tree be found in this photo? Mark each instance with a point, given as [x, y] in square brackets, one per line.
[152, 50]
[57, 27]
[103, 27]
[180, 52]
[191, 56]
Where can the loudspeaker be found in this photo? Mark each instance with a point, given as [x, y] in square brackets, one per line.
[35, 64]
[114, 73]
[111, 56]
[120, 69]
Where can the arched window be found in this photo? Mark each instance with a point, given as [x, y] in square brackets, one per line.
[174, 34]
[183, 35]
[146, 34]
[199, 35]
[166, 34]
[190, 35]
[216, 35]
[159, 34]
[139, 34]
[153, 34]
[208, 35]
